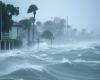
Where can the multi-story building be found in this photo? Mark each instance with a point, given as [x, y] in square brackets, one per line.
[11, 39]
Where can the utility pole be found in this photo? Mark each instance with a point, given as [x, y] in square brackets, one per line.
[67, 29]
[67, 20]
[67, 26]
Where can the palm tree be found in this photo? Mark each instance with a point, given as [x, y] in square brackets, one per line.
[32, 9]
[11, 11]
[48, 35]
[38, 23]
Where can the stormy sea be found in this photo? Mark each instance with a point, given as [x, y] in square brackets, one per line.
[79, 61]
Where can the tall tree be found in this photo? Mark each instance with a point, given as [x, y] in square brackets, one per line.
[48, 35]
[32, 9]
[38, 23]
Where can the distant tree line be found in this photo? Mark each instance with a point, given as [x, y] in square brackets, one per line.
[61, 30]
[48, 30]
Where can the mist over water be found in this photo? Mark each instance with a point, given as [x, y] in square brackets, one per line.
[66, 47]
[61, 62]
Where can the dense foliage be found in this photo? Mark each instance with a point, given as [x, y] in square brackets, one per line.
[6, 13]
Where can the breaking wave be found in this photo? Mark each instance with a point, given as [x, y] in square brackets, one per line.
[57, 63]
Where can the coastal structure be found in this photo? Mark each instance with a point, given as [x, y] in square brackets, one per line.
[12, 39]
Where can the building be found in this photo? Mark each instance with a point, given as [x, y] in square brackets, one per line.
[12, 39]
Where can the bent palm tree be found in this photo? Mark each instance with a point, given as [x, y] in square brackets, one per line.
[11, 11]
[33, 9]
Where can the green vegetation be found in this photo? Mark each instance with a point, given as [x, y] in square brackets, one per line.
[47, 35]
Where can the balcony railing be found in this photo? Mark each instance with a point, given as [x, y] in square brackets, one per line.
[5, 36]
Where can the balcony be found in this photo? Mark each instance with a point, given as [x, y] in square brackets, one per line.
[6, 43]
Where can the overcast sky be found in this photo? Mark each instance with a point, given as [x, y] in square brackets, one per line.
[82, 13]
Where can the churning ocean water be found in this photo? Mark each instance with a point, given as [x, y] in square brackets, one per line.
[71, 62]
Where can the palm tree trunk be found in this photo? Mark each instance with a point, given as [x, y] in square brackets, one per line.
[33, 34]
[51, 42]
[33, 29]
[38, 42]
[28, 40]
[17, 33]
